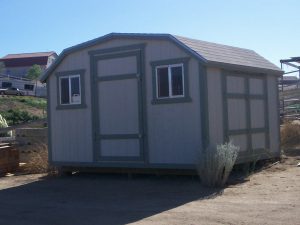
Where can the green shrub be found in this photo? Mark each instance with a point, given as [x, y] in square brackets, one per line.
[16, 116]
[40, 103]
[215, 164]
[3, 124]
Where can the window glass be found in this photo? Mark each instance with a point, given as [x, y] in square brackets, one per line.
[64, 91]
[162, 82]
[75, 90]
[6, 84]
[29, 87]
[177, 80]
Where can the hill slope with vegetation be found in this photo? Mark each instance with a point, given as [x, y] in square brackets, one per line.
[18, 109]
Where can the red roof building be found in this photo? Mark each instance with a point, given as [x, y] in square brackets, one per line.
[18, 64]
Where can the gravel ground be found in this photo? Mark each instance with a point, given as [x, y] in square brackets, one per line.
[272, 196]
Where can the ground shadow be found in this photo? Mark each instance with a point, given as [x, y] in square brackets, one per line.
[86, 199]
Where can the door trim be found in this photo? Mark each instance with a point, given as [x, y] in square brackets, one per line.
[110, 53]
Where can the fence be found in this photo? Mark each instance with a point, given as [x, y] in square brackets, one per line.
[289, 97]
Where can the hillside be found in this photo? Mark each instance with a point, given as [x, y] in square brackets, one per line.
[17, 109]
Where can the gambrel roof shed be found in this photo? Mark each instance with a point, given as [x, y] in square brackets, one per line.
[208, 52]
[156, 100]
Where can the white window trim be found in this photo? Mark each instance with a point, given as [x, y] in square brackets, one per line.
[70, 89]
[170, 80]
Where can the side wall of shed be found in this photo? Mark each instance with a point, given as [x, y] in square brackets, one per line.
[215, 106]
[70, 129]
[274, 120]
[226, 113]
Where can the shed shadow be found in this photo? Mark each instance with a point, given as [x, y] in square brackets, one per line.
[97, 199]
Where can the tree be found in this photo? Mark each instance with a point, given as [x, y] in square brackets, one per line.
[33, 74]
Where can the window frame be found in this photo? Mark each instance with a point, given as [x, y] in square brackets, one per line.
[170, 63]
[170, 80]
[69, 75]
[29, 89]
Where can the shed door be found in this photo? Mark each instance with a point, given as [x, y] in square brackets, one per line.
[246, 108]
[119, 119]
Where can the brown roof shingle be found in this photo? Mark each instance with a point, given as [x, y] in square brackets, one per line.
[213, 52]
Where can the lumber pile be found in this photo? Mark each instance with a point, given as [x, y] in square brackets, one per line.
[9, 158]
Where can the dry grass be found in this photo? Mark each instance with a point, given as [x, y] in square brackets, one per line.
[38, 162]
[290, 134]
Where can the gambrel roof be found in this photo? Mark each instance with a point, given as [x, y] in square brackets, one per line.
[210, 54]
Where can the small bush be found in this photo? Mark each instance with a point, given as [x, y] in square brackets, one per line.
[40, 103]
[215, 164]
[3, 124]
[16, 116]
[290, 134]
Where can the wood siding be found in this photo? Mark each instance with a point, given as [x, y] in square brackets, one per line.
[215, 106]
[273, 115]
[173, 129]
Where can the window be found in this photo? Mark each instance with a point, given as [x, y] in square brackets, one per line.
[6, 84]
[70, 85]
[29, 87]
[170, 81]
[70, 92]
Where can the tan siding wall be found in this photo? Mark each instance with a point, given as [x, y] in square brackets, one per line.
[174, 129]
[71, 129]
[235, 84]
[258, 141]
[215, 105]
[273, 114]
[120, 118]
[240, 140]
[256, 86]
[236, 114]
[120, 147]
[108, 67]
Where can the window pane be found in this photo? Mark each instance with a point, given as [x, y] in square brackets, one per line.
[177, 80]
[6, 84]
[28, 87]
[75, 90]
[162, 82]
[64, 89]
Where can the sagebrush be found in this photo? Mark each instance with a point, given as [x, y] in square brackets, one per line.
[215, 164]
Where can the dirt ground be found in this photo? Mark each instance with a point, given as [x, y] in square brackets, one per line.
[271, 196]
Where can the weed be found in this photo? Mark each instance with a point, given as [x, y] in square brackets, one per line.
[38, 162]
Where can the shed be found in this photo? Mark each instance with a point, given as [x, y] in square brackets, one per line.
[155, 100]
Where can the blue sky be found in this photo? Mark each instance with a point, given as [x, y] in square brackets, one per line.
[270, 27]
